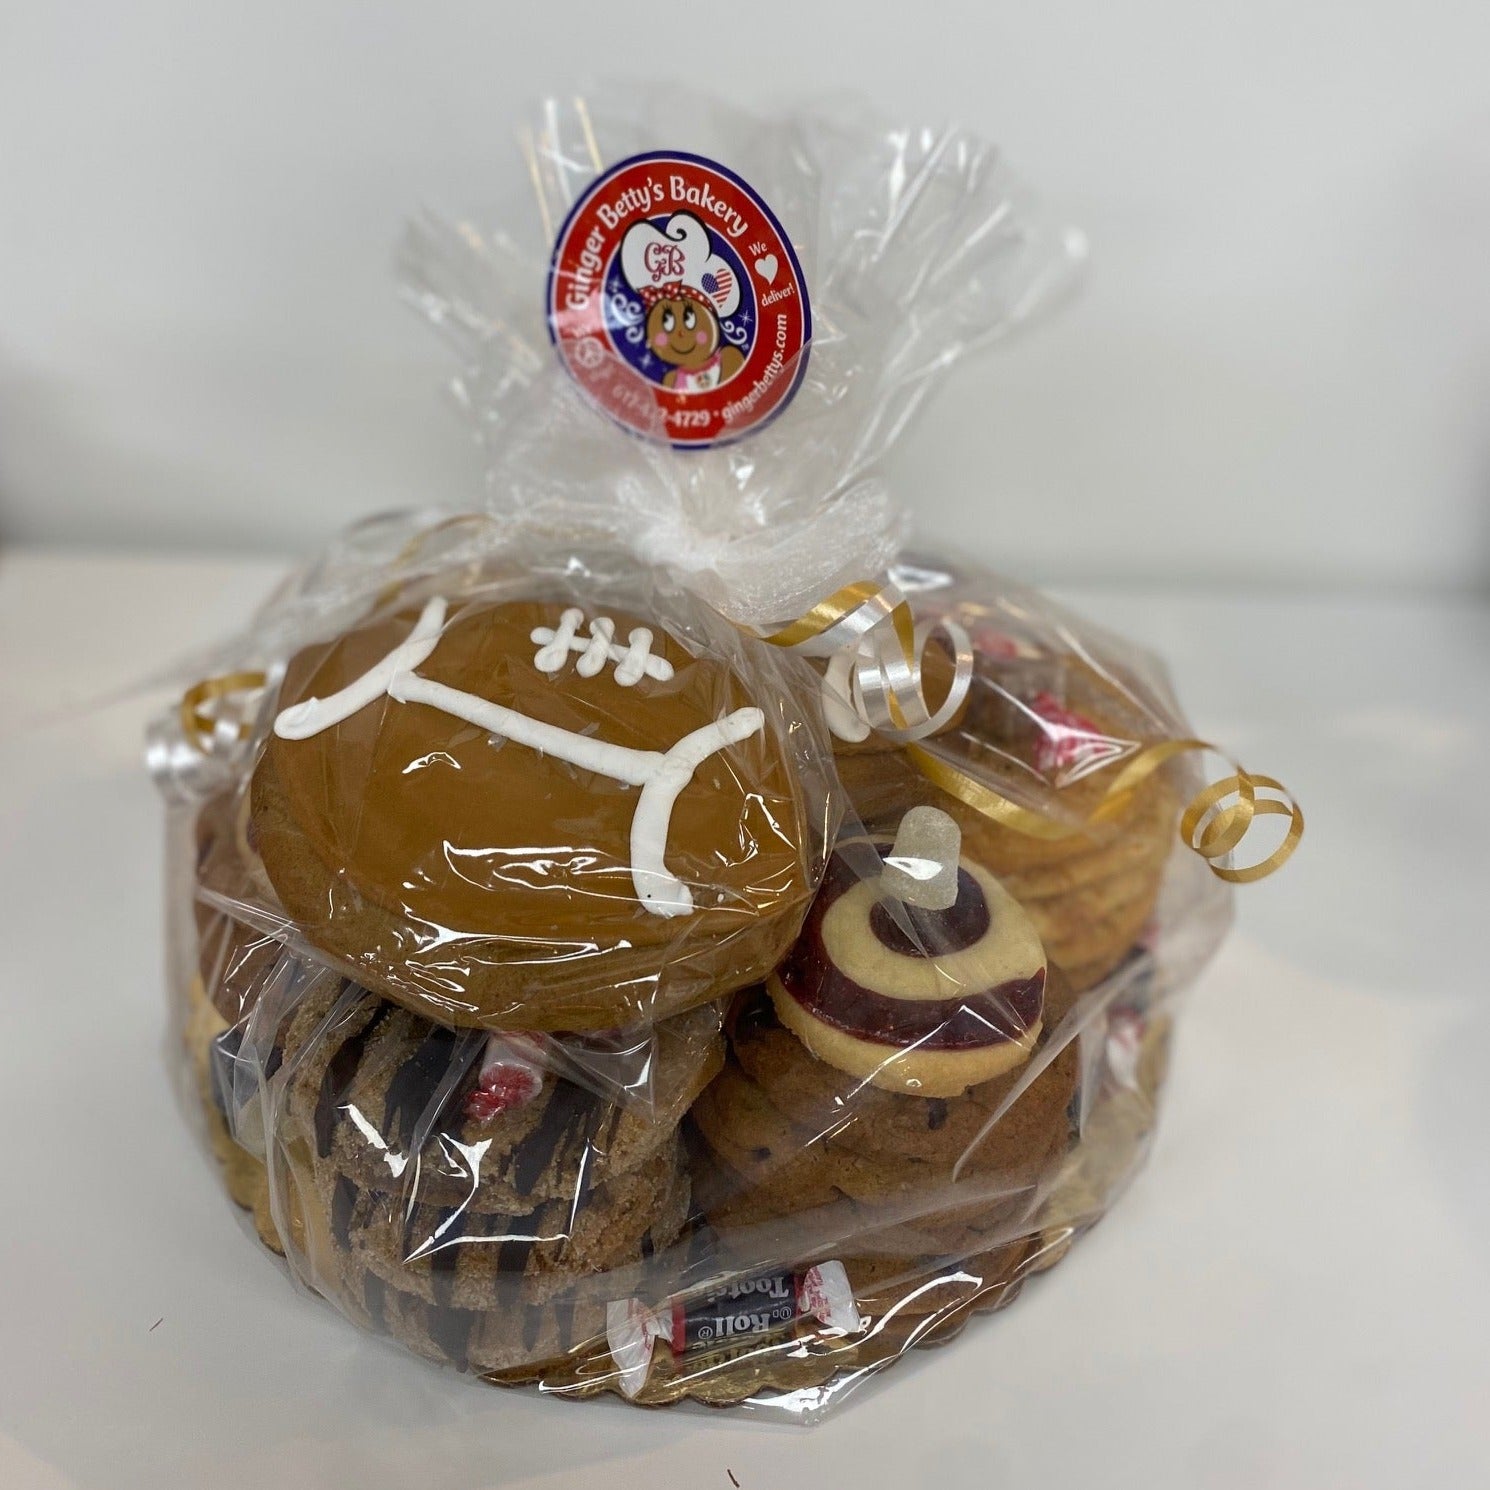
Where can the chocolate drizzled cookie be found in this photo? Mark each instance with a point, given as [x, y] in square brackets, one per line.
[466, 1232]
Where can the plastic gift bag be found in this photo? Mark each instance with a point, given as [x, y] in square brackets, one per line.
[915, 246]
[651, 935]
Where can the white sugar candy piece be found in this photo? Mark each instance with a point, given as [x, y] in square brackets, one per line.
[922, 868]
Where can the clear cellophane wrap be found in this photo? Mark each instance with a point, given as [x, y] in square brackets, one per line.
[561, 973]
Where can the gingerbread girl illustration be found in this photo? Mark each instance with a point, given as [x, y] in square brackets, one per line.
[687, 290]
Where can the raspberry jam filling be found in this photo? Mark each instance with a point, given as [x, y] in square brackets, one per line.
[970, 1022]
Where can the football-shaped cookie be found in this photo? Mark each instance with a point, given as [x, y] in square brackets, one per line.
[531, 814]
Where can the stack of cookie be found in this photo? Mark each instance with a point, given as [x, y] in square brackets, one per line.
[464, 957]
[1051, 732]
[393, 1154]
[429, 1209]
[901, 1089]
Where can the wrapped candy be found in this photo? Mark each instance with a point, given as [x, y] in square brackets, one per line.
[654, 934]
[742, 1311]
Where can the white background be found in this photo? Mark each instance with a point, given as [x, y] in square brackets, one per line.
[1280, 370]
[1278, 375]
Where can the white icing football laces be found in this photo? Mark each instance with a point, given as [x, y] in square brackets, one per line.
[661, 775]
[632, 662]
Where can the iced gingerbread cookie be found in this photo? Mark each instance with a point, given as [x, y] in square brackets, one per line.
[925, 977]
[521, 814]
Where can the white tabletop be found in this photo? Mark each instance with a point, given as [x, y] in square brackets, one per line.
[1295, 1293]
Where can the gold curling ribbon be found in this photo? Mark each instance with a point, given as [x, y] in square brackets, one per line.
[1207, 827]
[1228, 827]
[198, 724]
[852, 612]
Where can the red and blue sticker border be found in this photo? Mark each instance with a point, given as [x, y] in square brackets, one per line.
[663, 398]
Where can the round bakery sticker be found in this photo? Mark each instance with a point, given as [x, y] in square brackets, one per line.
[676, 302]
